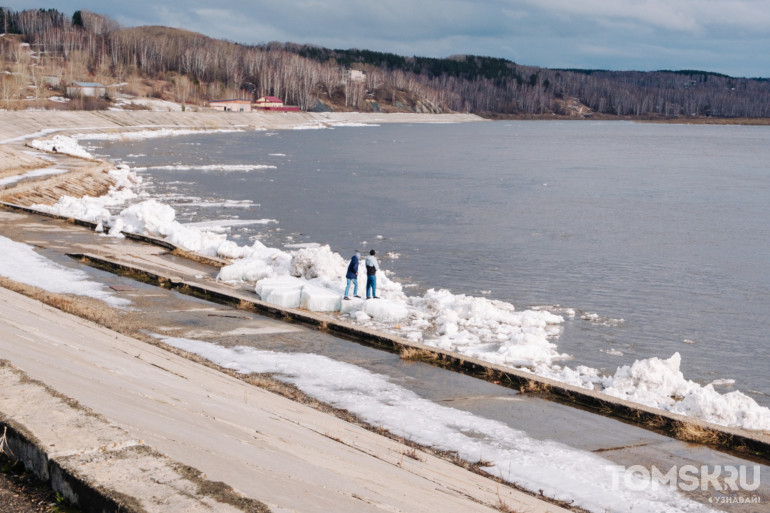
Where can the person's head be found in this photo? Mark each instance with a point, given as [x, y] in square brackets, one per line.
[371, 252]
[358, 254]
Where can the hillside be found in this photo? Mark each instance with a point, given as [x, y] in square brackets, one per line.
[192, 69]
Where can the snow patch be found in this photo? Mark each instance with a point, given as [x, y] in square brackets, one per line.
[21, 263]
[32, 174]
[61, 144]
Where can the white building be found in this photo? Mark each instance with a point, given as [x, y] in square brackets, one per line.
[86, 89]
[231, 105]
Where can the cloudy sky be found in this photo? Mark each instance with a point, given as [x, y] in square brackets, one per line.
[724, 36]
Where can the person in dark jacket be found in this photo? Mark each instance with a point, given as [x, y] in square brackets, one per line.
[352, 275]
[371, 275]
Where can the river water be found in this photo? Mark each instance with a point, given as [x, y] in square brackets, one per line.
[655, 235]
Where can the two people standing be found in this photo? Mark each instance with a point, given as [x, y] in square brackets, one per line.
[372, 266]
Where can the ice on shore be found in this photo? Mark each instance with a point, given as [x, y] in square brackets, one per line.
[545, 466]
[283, 291]
[157, 219]
[496, 332]
[96, 209]
[320, 299]
[61, 144]
[21, 263]
[660, 384]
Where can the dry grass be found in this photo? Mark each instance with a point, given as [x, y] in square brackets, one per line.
[412, 453]
[534, 387]
[416, 354]
[247, 306]
[693, 432]
[502, 506]
[202, 259]
[4, 449]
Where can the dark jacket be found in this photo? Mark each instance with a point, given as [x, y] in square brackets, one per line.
[371, 265]
[352, 269]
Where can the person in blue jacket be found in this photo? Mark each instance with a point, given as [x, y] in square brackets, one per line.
[371, 275]
[352, 275]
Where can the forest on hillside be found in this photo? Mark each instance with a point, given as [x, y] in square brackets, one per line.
[192, 69]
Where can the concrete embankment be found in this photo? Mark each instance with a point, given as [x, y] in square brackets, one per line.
[16, 124]
[116, 424]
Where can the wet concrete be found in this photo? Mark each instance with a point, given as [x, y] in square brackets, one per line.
[175, 314]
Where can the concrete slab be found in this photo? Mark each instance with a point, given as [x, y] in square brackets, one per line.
[268, 448]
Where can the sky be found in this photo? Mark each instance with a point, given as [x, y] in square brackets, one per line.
[722, 36]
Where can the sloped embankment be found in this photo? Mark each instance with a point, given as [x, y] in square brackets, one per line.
[90, 180]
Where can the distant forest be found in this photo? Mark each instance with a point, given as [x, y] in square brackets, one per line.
[192, 68]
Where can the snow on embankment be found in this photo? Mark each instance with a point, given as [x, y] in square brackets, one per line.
[21, 263]
[552, 468]
[490, 330]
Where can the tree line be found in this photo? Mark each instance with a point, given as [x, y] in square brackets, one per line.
[201, 68]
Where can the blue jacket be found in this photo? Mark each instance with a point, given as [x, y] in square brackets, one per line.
[353, 268]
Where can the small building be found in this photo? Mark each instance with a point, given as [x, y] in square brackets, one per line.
[273, 103]
[86, 89]
[231, 105]
[354, 75]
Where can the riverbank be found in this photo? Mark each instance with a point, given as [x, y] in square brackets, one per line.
[208, 244]
[174, 279]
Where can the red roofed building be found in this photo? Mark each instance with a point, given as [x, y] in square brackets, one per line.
[273, 103]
